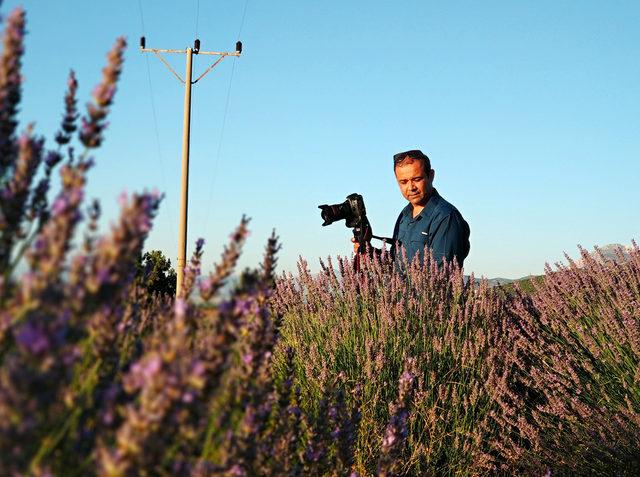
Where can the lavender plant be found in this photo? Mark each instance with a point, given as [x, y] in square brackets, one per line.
[512, 384]
[578, 346]
[368, 325]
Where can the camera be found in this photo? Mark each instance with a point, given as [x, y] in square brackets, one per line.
[351, 210]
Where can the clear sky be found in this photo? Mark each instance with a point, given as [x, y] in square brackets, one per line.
[529, 112]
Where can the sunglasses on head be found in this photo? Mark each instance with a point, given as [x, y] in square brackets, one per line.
[413, 154]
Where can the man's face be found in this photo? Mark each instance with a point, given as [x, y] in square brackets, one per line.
[415, 183]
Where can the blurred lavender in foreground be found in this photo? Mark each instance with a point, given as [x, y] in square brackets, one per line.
[10, 87]
[68, 126]
[14, 177]
[93, 124]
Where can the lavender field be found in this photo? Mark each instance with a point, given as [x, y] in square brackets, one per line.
[397, 369]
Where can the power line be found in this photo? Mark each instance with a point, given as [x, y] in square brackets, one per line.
[244, 14]
[220, 138]
[224, 121]
[171, 214]
[197, 16]
[141, 16]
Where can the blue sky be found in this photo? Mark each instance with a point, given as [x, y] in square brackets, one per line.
[528, 110]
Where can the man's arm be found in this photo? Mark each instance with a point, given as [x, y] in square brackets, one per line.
[392, 245]
[451, 239]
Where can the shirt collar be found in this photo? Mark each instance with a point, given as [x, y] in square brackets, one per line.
[427, 210]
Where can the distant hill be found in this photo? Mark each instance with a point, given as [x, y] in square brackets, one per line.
[500, 281]
[609, 252]
[507, 284]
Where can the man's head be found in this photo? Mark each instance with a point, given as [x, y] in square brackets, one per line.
[414, 175]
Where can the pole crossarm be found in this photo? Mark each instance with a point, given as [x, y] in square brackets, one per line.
[218, 53]
[215, 53]
[221, 54]
[160, 50]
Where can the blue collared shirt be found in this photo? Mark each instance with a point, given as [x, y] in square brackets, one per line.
[439, 226]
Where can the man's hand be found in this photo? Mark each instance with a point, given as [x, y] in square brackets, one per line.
[366, 234]
[356, 245]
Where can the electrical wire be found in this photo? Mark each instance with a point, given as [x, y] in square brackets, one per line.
[244, 14]
[197, 17]
[141, 16]
[224, 121]
[171, 215]
[220, 138]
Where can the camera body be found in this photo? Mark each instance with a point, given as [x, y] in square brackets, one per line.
[354, 213]
[351, 210]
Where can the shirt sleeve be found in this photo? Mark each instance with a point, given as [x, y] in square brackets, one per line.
[449, 239]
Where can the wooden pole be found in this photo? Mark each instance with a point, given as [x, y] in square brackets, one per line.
[184, 195]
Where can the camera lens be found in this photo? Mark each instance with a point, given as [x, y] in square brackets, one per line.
[334, 212]
[326, 214]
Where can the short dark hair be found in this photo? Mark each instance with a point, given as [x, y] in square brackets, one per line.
[415, 154]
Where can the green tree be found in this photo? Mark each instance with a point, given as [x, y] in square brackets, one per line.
[155, 274]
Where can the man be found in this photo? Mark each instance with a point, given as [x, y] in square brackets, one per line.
[428, 220]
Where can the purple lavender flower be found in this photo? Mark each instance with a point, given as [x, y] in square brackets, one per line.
[247, 358]
[13, 207]
[52, 243]
[52, 159]
[32, 338]
[230, 256]
[245, 306]
[10, 86]
[68, 126]
[94, 123]
[237, 471]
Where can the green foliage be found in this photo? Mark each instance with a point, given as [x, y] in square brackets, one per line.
[155, 275]
[525, 285]
[248, 280]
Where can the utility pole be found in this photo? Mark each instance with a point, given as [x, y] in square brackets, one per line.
[186, 131]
